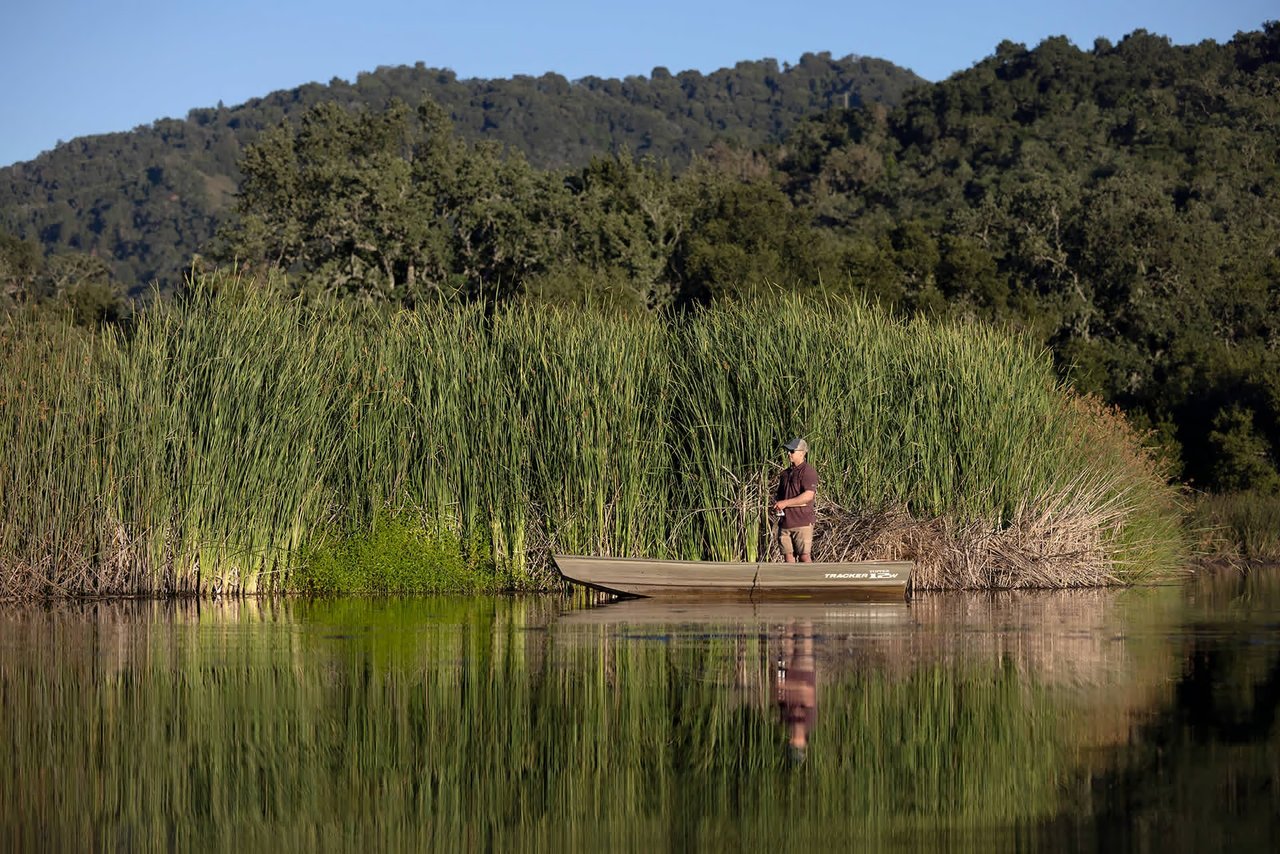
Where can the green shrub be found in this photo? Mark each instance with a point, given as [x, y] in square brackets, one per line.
[399, 555]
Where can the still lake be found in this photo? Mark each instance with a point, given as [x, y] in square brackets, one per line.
[1128, 720]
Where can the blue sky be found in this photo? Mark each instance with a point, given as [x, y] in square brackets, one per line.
[76, 67]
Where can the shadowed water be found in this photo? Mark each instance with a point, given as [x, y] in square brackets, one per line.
[1115, 720]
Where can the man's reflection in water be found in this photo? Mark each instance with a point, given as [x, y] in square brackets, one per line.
[795, 687]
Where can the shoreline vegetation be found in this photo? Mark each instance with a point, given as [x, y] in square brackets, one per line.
[1240, 530]
[236, 441]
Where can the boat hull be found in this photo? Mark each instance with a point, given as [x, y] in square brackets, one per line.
[690, 578]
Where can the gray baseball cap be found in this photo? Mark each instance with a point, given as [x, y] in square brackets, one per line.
[797, 444]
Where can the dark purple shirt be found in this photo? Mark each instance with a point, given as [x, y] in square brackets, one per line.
[795, 481]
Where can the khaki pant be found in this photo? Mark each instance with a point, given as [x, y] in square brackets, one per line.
[796, 541]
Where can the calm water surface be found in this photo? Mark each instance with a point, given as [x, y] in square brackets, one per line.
[1100, 720]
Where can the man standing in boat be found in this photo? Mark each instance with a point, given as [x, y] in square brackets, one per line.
[793, 504]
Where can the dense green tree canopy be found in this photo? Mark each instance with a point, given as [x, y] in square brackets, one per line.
[147, 200]
[1119, 203]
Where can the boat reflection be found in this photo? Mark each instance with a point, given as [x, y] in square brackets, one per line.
[693, 614]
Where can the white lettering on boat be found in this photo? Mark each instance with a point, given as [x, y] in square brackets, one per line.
[862, 575]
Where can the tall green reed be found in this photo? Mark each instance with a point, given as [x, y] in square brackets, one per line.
[592, 391]
[203, 448]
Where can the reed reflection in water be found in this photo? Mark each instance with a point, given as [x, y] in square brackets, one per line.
[481, 723]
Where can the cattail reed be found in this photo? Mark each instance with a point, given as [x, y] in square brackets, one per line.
[203, 450]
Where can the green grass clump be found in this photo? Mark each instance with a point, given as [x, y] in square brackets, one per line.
[400, 555]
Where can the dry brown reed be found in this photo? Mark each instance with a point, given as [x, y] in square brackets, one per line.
[1055, 542]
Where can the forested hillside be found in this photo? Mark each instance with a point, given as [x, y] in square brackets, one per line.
[1122, 204]
[144, 201]
[1118, 204]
